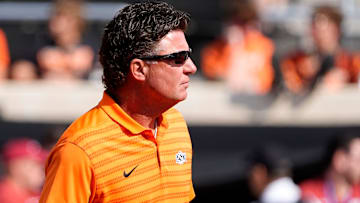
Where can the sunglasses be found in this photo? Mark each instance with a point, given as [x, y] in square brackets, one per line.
[178, 57]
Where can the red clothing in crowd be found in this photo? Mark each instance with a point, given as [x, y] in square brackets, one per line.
[23, 159]
[323, 191]
[12, 193]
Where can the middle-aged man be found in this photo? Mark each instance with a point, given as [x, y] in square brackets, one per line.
[269, 175]
[340, 181]
[133, 146]
[23, 160]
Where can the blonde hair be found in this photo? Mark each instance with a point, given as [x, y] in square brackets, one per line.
[73, 8]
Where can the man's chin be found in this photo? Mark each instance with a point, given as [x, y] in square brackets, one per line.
[183, 98]
[177, 100]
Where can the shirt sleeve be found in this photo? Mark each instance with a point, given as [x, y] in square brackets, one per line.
[69, 176]
[192, 193]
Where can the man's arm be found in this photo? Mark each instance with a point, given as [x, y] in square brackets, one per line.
[69, 176]
[192, 193]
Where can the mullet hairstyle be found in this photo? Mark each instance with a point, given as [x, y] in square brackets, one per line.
[134, 32]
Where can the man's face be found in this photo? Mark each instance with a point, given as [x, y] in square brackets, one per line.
[167, 80]
[325, 33]
[353, 160]
[29, 171]
[258, 178]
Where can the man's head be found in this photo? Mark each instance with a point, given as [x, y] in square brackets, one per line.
[133, 33]
[326, 27]
[266, 164]
[344, 156]
[66, 23]
[23, 160]
[244, 13]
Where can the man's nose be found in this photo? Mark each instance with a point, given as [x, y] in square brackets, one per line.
[189, 67]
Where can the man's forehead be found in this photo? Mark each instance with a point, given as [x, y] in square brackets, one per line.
[172, 35]
[173, 41]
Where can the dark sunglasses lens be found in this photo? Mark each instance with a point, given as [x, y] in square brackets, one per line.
[181, 57]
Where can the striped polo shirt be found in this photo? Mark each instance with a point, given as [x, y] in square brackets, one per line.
[106, 156]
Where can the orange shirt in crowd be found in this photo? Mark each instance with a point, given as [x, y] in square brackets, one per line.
[4, 53]
[356, 67]
[106, 156]
[300, 68]
[244, 63]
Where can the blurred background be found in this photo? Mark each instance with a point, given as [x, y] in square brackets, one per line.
[281, 72]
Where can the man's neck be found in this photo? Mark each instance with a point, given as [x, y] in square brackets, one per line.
[144, 119]
[329, 49]
[17, 183]
[341, 185]
[138, 108]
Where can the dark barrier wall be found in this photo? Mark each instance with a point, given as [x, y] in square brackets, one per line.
[219, 166]
[219, 163]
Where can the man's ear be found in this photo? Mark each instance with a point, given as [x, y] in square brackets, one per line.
[138, 69]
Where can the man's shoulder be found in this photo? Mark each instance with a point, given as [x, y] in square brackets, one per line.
[313, 185]
[8, 189]
[313, 181]
[92, 123]
[173, 115]
[4, 185]
[173, 112]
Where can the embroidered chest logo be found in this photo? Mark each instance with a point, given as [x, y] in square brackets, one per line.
[180, 158]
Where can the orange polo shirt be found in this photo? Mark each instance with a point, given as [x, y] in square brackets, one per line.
[106, 156]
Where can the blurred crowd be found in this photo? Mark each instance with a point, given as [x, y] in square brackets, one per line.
[22, 163]
[337, 180]
[23, 160]
[245, 59]
[269, 171]
[63, 56]
[243, 56]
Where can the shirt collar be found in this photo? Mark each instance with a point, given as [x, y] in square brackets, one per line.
[115, 112]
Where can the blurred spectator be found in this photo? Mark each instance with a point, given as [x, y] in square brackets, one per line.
[242, 56]
[340, 181]
[4, 56]
[270, 176]
[23, 160]
[327, 63]
[68, 58]
[23, 70]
